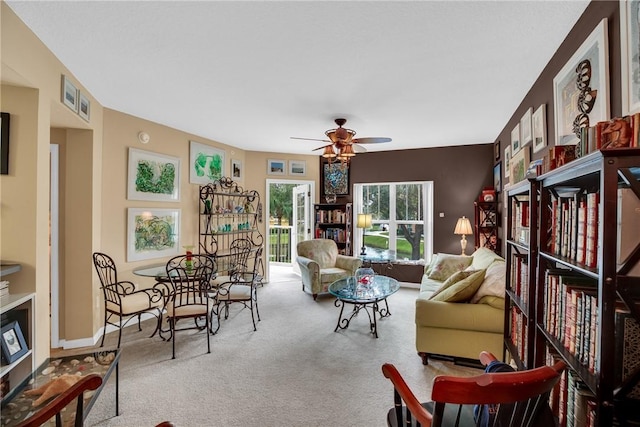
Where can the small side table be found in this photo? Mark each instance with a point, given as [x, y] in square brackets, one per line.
[17, 406]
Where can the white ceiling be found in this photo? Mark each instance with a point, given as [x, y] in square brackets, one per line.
[252, 74]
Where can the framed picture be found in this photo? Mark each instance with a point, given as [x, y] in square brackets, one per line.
[507, 161]
[5, 121]
[525, 128]
[519, 166]
[206, 163]
[335, 178]
[581, 88]
[276, 167]
[13, 343]
[152, 233]
[497, 177]
[69, 94]
[515, 139]
[496, 150]
[630, 53]
[539, 128]
[84, 106]
[236, 170]
[153, 176]
[297, 167]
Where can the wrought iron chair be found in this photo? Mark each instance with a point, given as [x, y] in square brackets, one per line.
[235, 261]
[123, 299]
[187, 294]
[516, 398]
[241, 287]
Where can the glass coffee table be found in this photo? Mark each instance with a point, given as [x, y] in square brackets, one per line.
[365, 295]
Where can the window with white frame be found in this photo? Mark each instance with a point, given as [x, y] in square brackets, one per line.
[402, 219]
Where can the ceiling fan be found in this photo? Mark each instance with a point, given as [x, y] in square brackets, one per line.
[342, 144]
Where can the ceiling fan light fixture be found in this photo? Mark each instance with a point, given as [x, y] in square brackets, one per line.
[328, 152]
[347, 151]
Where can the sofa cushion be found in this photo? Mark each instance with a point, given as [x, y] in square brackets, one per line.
[494, 282]
[462, 290]
[483, 258]
[495, 302]
[447, 264]
[452, 280]
[429, 267]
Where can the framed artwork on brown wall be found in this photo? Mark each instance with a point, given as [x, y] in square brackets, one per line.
[630, 48]
[335, 178]
[496, 150]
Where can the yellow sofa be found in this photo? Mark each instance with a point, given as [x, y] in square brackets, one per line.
[462, 329]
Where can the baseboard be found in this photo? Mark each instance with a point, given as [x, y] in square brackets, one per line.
[92, 341]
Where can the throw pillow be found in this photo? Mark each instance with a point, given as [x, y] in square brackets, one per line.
[452, 280]
[429, 267]
[447, 264]
[494, 282]
[463, 290]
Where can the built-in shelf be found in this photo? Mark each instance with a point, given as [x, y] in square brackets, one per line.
[6, 269]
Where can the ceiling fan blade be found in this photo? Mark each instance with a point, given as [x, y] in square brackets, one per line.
[371, 140]
[310, 139]
[358, 148]
[323, 147]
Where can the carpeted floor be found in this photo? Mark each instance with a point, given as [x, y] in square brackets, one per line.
[293, 371]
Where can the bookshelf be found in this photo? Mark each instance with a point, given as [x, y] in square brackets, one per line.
[587, 284]
[521, 257]
[334, 221]
[486, 222]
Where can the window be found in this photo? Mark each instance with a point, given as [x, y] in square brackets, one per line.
[402, 219]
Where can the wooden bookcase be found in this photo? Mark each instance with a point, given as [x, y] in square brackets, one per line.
[521, 257]
[227, 212]
[587, 297]
[486, 223]
[334, 221]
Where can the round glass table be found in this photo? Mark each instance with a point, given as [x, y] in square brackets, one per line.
[363, 295]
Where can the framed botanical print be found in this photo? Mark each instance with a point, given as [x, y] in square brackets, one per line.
[525, 128]
[539, 128]
[152, 233]
[206, 163]
[153, 176]
[515, 139]
[630, 54]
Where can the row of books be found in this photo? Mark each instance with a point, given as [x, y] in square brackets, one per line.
[571, 401]
[520, 219]
[571, 314]
[619, 132]
[573, 229]
[335, 216]
[337, 234]
[519, 278]
[519, 331]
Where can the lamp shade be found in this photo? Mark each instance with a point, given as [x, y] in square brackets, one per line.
[463, 226]
[364, 221]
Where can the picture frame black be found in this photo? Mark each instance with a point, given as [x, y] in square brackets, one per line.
[12, 342]
[5, 121]
[335, 178]
[496, 150]
[497, 177]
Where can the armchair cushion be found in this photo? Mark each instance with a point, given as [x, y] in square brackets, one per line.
[133, 303]
[321, 264]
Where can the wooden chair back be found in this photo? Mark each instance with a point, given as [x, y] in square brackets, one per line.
[516, 398]
[55, 406]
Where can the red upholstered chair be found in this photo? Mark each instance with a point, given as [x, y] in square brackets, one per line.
[518, 398]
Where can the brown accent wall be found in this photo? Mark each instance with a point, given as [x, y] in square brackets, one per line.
[458, 174]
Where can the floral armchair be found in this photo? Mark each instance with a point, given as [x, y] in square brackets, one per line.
[321, 264]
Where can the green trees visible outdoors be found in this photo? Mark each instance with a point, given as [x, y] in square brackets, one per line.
[281, 202]
[409, 207]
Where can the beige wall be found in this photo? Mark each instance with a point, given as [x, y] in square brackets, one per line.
[93, 215]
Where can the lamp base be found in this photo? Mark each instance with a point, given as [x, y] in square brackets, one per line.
[363, 252]
[463, 244]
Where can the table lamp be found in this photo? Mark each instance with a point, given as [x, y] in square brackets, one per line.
[364, 221]
[463, 227]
